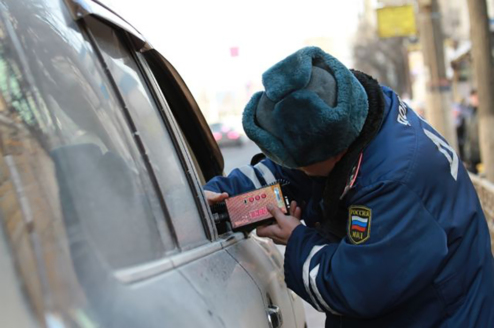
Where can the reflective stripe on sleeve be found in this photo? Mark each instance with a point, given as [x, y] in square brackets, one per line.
[266, 173]
[249, 172]
[305, 275]
[313, 284]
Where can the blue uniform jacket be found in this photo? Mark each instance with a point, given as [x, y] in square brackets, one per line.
[417, 251]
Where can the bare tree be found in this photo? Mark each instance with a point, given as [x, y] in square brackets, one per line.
[384, 59]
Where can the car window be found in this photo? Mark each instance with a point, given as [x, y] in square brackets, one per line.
[77, 131]
[187, 114]
[150, 124]
[77, 201]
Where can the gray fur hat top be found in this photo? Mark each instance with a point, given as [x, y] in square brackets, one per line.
[312, 109]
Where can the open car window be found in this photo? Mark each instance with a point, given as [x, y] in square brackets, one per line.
[187, 114]
[153, 129]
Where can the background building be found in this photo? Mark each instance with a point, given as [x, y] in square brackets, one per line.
[408, 79]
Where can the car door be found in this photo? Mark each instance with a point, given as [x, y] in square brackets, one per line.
[104, 227]
[230, 294]
[259, 257]
[84, 220]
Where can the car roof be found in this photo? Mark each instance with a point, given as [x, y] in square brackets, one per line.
[104, 10]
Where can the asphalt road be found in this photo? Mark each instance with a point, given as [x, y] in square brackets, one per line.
[239, 156]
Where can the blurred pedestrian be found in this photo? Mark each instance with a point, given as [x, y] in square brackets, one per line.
[472, 145]
[460, 114]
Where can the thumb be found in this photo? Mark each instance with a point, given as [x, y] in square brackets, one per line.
[276, 212]
[220, 197]
[214, 197]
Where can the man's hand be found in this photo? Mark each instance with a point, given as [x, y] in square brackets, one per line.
[214, 197]
[281, 231]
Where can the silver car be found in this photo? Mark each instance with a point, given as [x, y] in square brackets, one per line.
[103, 222]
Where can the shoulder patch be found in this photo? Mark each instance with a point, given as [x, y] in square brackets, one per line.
[359, 223]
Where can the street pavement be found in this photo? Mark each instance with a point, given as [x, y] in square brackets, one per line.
[238, 156]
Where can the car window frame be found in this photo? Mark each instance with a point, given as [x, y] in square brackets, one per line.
[170, 125]
[85, 30]
[180, 146]
[209, 156]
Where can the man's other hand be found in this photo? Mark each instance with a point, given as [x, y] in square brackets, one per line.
[214, 197]
[281, 231]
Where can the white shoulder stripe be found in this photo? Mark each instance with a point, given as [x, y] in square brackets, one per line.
[249, 172]
[305, 274]
[266, 173]
[442, 146]
[313, 284]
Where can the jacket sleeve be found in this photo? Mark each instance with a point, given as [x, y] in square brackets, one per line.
[250, 177]
[404, 249]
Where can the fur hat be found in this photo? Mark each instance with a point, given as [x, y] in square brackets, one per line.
[312, 109]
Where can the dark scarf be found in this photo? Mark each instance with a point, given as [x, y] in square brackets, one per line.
[335, 212]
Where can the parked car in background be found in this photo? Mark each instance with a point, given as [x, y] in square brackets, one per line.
[226, 135]
[103, 154]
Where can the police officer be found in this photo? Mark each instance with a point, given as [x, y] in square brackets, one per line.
[394, 233]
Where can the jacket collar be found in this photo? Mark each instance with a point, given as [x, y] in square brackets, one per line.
[335, 214]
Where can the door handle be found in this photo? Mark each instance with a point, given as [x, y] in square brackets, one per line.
[275, 318]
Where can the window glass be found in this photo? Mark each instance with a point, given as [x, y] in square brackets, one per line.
[150, 125]
[105, 195]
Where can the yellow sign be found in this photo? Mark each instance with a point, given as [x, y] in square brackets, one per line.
[396, 21]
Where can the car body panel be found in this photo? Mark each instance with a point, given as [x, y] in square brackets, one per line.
[14, 309]
[263, 261]
[230, 293]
